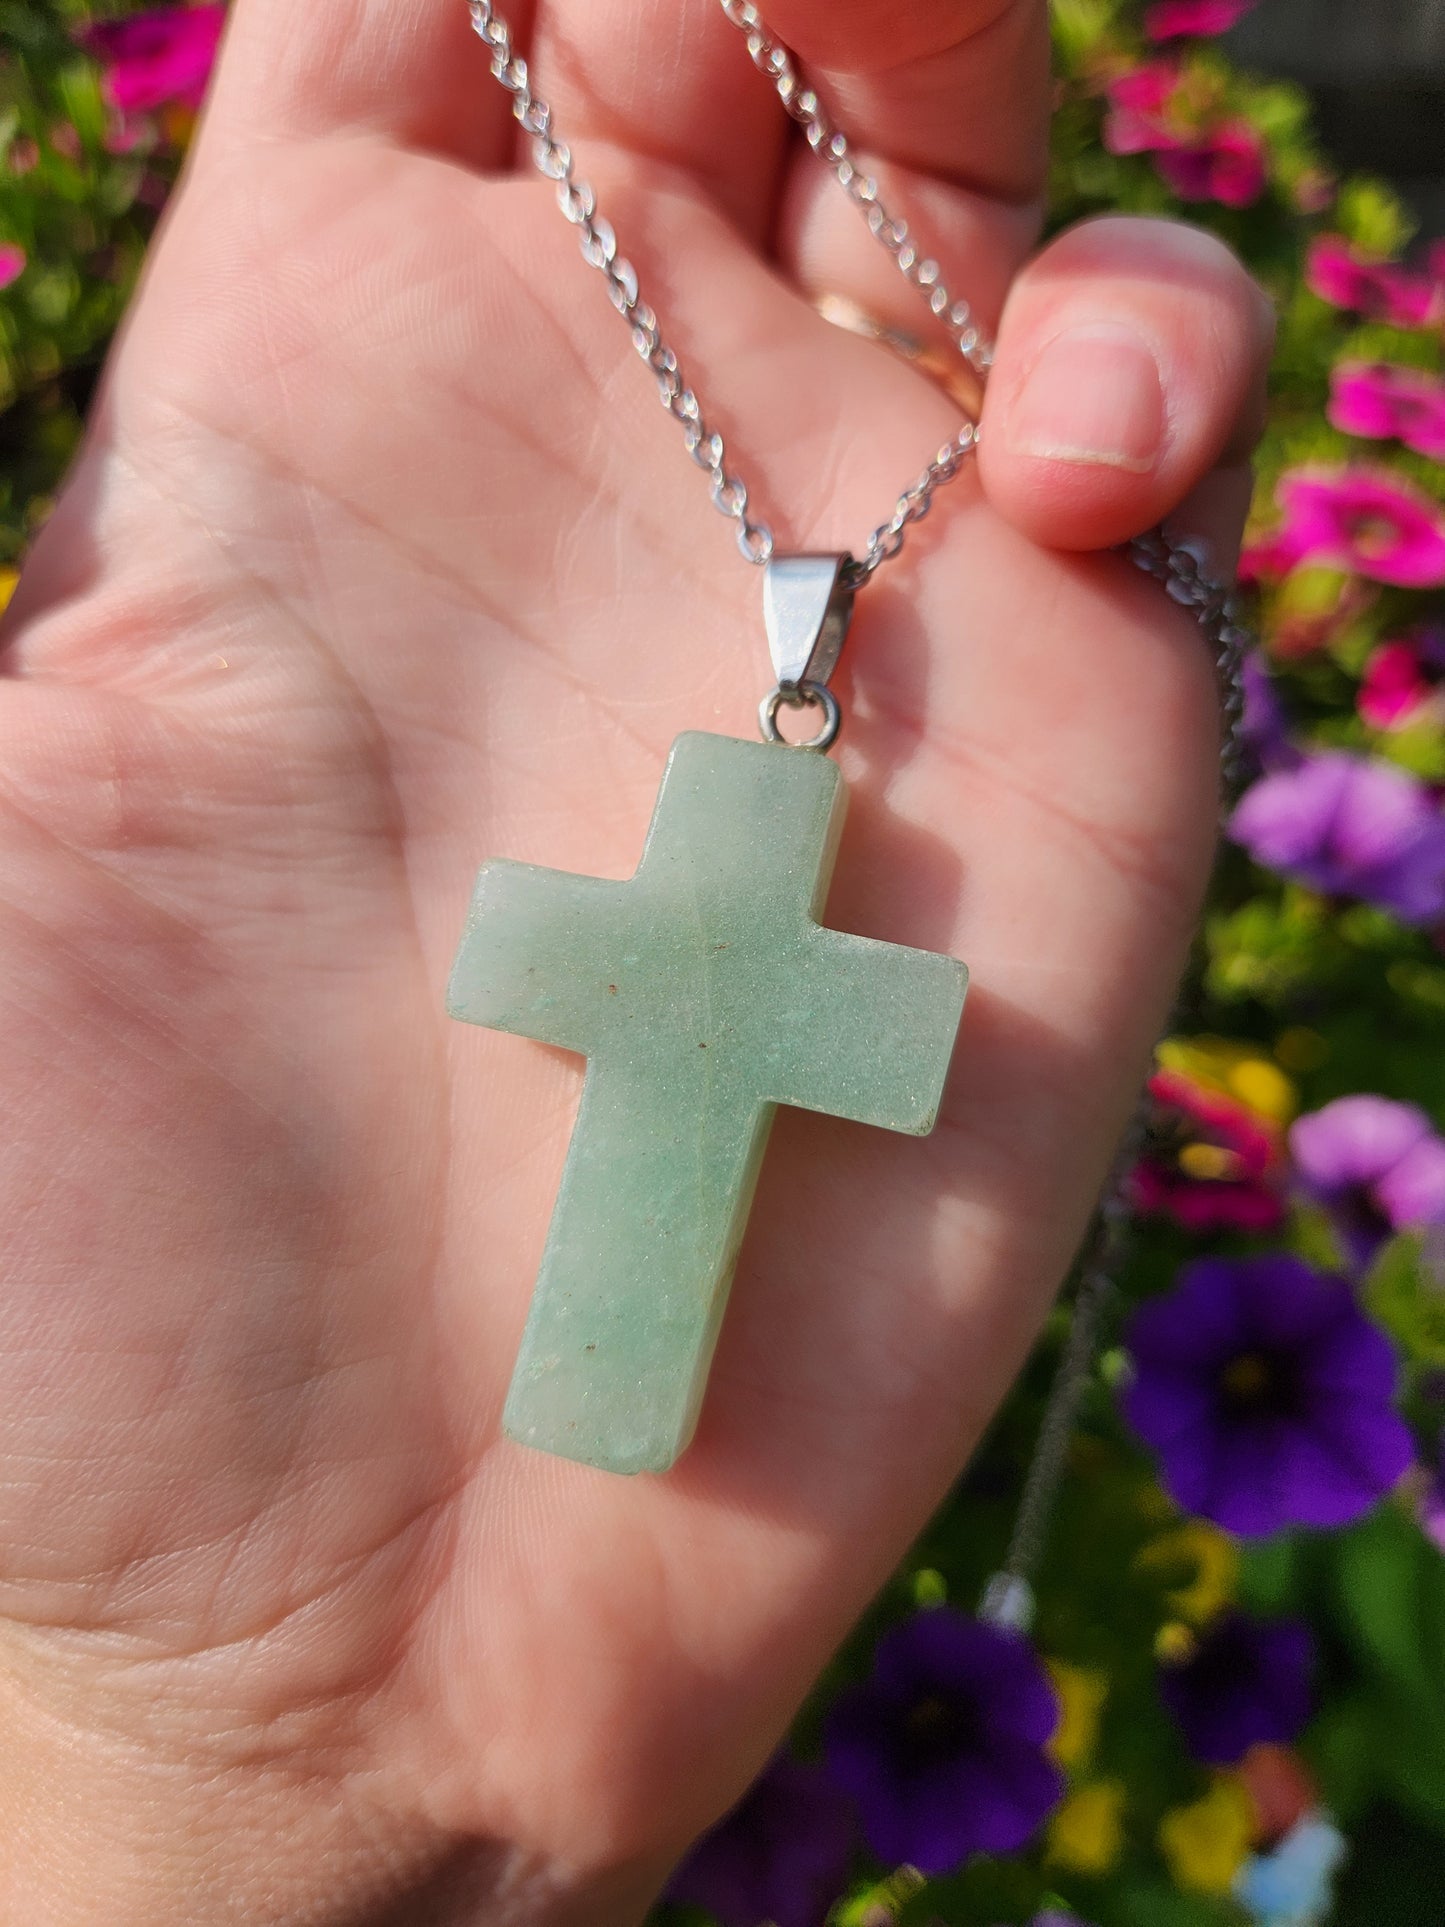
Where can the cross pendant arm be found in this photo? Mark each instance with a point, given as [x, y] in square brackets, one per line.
[876, 1043]
[537, 953]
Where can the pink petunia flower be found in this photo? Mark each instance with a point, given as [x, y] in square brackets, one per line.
[1346, 278]
[1382, 400]
[1377, 1166]
[1139, 100]
[1226, 165]
[1360, 519]
[1208, 1162]
[1174, 19]
[1350, 826]
[154, 59]
[1201, 153]
[13, 262]
[1403, 679]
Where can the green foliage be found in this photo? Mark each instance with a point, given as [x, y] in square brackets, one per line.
[82, 212]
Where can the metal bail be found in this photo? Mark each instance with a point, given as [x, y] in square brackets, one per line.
[807, 605]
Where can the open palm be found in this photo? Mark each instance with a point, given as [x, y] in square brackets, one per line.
[381, 559]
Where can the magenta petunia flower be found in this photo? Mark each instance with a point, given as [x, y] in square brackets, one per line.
[1377, 1166]
[943, 1747]
[1199, 19]
[1226, 164]
[1362, 519]
[1208, 1162]
[1347, 278]
[1267, 1395]
[1139, 103]
[153, 59]
[1201, 154]
[780, 1855]
[1349, 826]
[13, 262]
[1384, 401]
[1403, 678]
[1246, 1683]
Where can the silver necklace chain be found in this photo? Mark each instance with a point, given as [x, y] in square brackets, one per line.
[830, 144]
[1179, 566]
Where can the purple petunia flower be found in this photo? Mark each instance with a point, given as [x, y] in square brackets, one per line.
[1377, 1166]
[781, 1855]
[1264, 726]
[1246, 1682]
[151, 59]
[1267, 1395]
[12, 263]
[1349, 826]
[943, 1747]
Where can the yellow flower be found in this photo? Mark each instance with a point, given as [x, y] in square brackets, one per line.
[1238, 1070]
[1174, 1643]
[1214, 1559]
[1206, 1844]
[8, 579]
[1086, 1835]
[1082, 1693]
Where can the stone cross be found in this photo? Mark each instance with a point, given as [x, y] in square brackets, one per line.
[703, 993]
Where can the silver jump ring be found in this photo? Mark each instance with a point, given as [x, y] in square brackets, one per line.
[796, 698]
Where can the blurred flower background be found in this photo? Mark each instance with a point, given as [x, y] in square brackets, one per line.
[1228, 1708]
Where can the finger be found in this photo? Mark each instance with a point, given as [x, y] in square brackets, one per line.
[668, 81]
[947, 107]
[411, 71]
[1131, 365]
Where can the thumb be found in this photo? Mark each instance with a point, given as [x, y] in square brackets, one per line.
[1128, 386]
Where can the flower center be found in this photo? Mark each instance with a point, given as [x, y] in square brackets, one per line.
[936, 1728]
[1374, 535]
[1210, 1162]
[1247, 1380]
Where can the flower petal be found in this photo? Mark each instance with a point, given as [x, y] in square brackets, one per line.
[1354, 1140]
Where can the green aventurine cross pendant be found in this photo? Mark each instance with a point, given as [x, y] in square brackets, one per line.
[703, 993]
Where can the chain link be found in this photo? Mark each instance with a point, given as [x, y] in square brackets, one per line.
[553, 158]
[1179, 566]
[831, 145]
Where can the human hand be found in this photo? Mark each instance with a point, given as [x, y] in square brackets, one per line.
[381, 559]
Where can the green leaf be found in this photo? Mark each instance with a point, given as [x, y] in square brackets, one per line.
[1392, 1877]
[1403, 1296]
[1373, 217]
[1390, 1601]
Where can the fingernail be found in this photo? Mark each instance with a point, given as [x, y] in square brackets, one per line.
[1092, 397]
